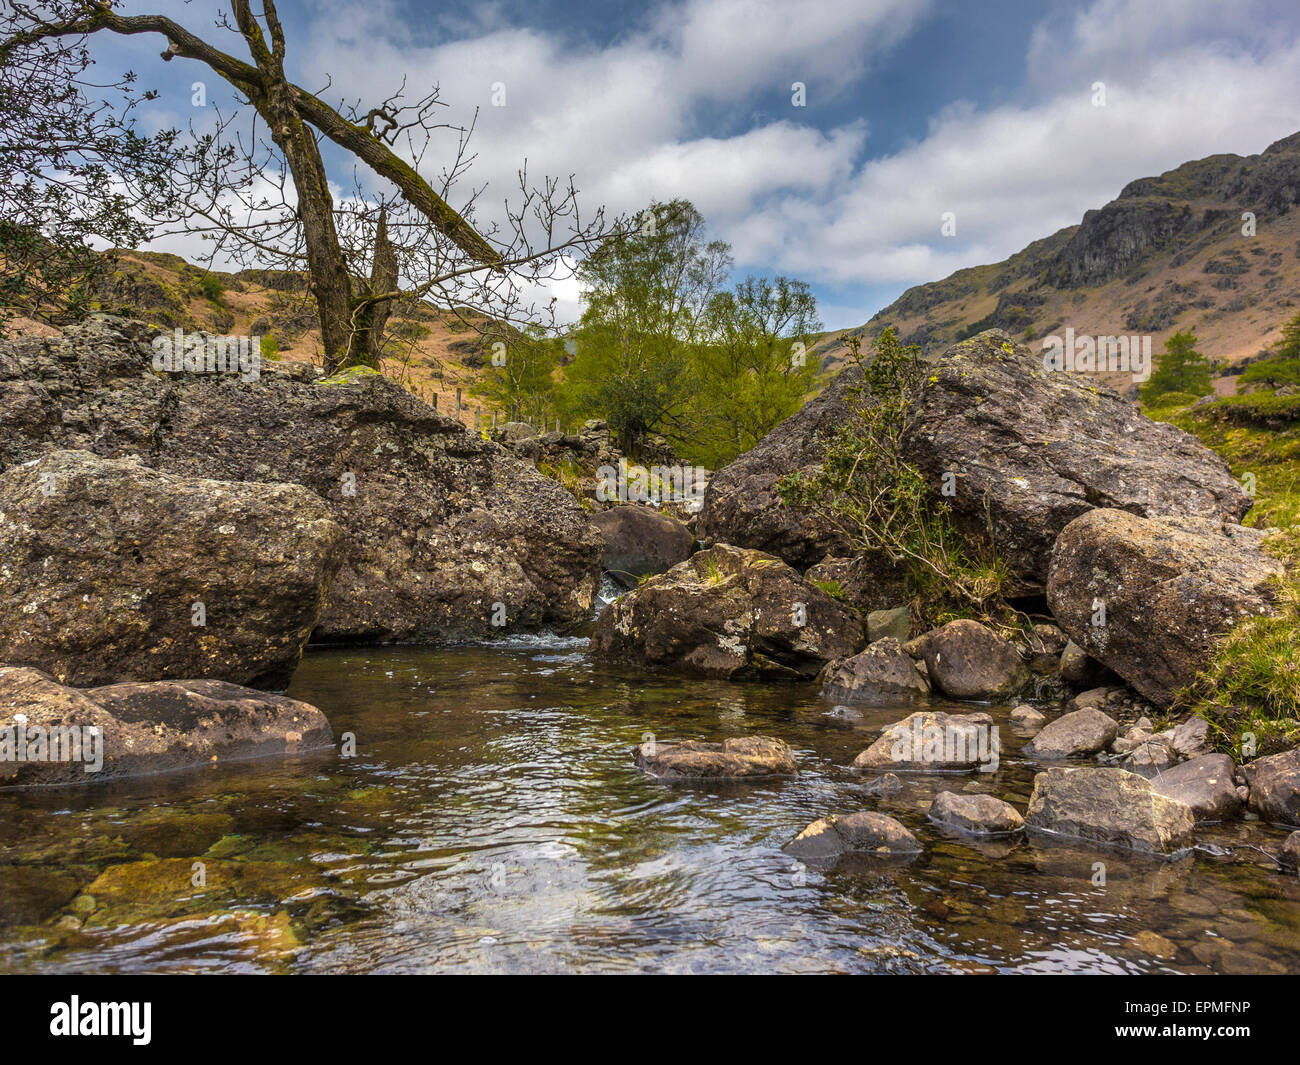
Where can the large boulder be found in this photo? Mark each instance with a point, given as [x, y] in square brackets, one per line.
[1074, 735]
[1032, 449]
[447, 534]
[1206, 784]
[741, 505]
[967, 660]
[864, 832]
[113, 571]
[884, 672]
[130, 729]
[1274, 783]
[931, 741]
[1170, 589]
[1029, 449]
[1110, 806]
[741, 758]
[732, 613]
[640, 541]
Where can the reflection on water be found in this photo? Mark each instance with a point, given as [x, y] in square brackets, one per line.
[492, 821]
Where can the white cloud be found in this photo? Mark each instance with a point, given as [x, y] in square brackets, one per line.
[694, 102]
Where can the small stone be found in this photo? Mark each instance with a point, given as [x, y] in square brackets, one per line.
[980, 814]
[1076, 734]
[862, 832]
[1026, 717]
[1158, 946]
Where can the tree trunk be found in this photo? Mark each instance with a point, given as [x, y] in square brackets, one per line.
[383, 278]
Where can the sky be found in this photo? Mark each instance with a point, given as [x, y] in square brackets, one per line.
[1006, 118]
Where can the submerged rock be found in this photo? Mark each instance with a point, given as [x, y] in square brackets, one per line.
[1205, 784]
[732, 759]
[446, 534]
[884, 672]
[978, 813]
[1170, 589]
[731, 613]
[640, 541]
[1274, 783]
[110, 570]
[1110, 806]
[1074, 735]
[864, 832]
[137, 728]
[967, 660]
[932, 741]
[1026, 717]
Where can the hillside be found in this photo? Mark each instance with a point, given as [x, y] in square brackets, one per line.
[430, 352]
[1167, 254]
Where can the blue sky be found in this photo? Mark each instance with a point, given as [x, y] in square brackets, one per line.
[913, 109]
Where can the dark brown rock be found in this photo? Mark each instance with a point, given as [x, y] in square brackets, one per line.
[884, 672]
[731, 613]
[967, 660]
[640, 541]
[151, 728]
[864, 832]
[1206, 784]
[106, 565]
[1274, 783]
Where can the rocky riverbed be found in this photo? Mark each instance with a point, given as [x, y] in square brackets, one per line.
[755, 757]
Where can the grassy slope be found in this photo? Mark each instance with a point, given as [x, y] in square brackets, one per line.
[1250, 693]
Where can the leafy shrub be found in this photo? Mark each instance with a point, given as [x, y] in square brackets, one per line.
[883, 505]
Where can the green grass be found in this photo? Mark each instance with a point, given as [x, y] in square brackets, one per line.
[832, 588]
[1259, 437]
[1250, 692]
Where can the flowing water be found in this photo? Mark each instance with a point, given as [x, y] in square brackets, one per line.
[492, 820]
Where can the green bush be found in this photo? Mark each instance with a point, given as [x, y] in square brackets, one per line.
[884, 506]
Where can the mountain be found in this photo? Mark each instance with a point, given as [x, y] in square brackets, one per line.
[1167, 254]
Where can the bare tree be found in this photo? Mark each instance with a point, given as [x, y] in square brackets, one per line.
[261, 191]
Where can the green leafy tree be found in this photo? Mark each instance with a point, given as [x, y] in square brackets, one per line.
[1282, 367]
[753, 370]
[1180, 369]
[520, 378]
[648, 291]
